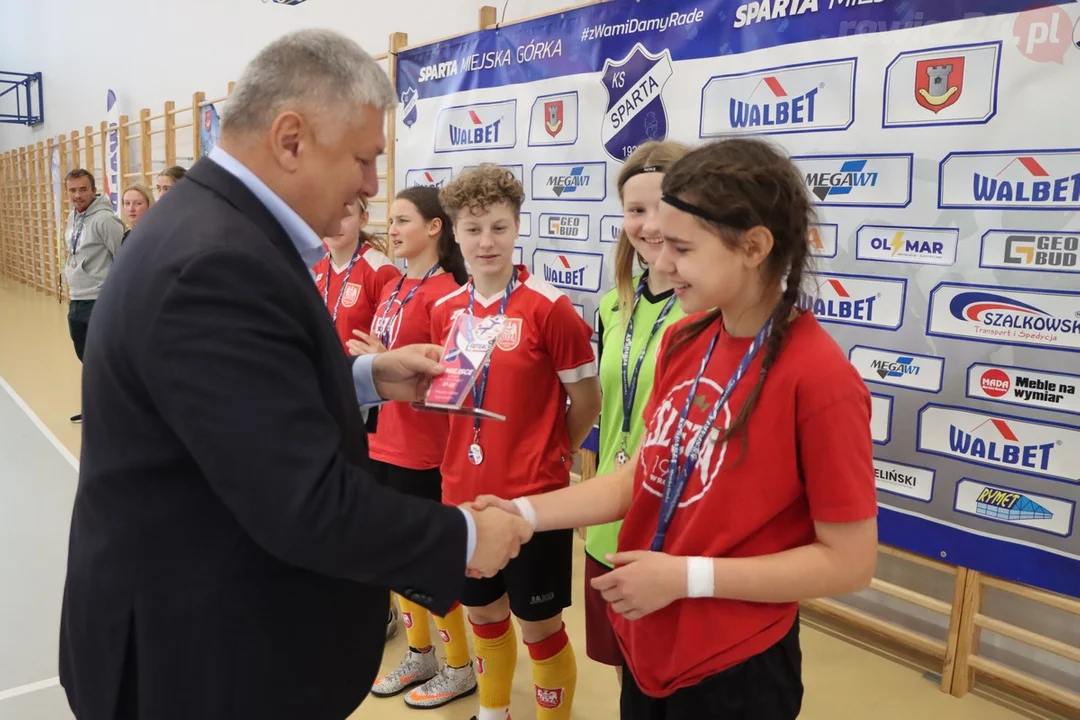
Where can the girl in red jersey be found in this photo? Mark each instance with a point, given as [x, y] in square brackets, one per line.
[542, 358]
[408, 446]
[744, 497]
[352, 275]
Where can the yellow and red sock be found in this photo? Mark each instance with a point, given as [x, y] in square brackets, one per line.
[496, 658]
[417, 627]
[452, 633]
[555, 676]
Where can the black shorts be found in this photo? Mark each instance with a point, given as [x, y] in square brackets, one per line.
[768, 686]
[538, 580]
[418, 483]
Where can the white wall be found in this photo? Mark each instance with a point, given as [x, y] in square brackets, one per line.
[151, 51]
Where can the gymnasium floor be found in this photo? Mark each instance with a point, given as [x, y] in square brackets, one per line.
[39, 391]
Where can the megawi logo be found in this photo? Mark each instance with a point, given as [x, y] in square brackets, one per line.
[810, 97]
[635, 111]
[889, 367]
[1026, 180]
[572, 181]
[408, 107]
[1014, 507]
[483, 126]
[955, 85]
[1056, 251]
[859, 181]
[924, 246]
[1005, 315]
[564, 227]
[856, 300]
[1000, 441]
[1019, 386]
[570, 270]
[428, 177]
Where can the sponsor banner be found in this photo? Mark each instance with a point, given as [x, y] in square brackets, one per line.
[1047, 450]
[1014, 507]
[570, 182]
[905, 480]
[916, 245]
[1005, 315]
[1010, 180]
[1024, 386]
[610, 228]
[525, 226]
[570, 270]
[481, 126]
[856, 299]
[824, 238]
[900, 369]
[554, 120]
[1038, 250]
[953, 85]
[210, 130]
[808, 97]
[428, 177]
[635, 110]
[881, 418]
[868, 181]
[555, 226]
[112, 152]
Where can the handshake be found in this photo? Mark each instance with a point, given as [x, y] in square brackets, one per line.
[500, 533]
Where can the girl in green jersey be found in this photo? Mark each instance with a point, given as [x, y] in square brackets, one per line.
[633, 317]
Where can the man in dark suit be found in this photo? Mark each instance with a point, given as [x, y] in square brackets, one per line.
[230, 549]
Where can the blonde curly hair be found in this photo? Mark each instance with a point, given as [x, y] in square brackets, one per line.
[478, 189]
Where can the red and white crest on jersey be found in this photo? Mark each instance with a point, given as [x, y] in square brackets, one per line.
[479, 665]
[406, 618]
[444, 635]
[510, 336]
[352, 294]
[549, 698]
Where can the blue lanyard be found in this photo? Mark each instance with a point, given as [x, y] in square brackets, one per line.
[344, 282]
[629, 383]
[384, 336]
[677, 479]
[480, 386]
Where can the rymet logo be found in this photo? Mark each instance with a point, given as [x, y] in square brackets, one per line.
[811, 97]
[1014, 507]
[856, 300]
[1026, 180]
[483, 126]
[635, 111]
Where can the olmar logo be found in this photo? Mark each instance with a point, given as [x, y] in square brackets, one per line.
[898, 244]
[781, 109]
[939, 82]
[1006, 505]
[851, 175]
[1002, 448]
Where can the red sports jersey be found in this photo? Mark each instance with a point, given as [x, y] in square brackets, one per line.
[544, 345]
[809, 457]
[369, 274]
[406, 437]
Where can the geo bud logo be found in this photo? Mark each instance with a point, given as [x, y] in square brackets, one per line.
[564, 227]
[856, 300]
[1005, 315]
[1031, 250]
[1040, 180]
[1000, 441]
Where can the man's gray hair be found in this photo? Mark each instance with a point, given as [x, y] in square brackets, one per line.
[316, 70]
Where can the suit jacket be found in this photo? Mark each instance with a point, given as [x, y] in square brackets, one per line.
[230, 547]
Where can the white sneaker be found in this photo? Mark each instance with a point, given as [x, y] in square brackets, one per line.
[449, 685]
[415, 668]
[391, 623]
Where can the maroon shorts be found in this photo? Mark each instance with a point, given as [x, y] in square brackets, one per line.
[601, 644]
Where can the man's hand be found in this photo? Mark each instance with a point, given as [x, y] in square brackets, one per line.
[642, 582]
[499, 537]
[405, 373]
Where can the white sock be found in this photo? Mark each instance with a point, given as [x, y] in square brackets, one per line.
[494, 714]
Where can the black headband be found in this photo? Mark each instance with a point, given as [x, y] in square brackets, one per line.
[644, 169]
[739, 221]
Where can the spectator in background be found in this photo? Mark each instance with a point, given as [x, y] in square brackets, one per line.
[94, 234]
[167, 178]
[137, 200]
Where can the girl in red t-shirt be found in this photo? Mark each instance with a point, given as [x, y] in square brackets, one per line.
[352, 275]
[744, 498]
[408, 445]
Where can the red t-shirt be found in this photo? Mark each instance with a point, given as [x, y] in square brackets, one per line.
[406, 437]
[544, 345]
[809, 457]
[371, 271]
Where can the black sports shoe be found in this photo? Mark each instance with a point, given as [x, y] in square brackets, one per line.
[76, 418]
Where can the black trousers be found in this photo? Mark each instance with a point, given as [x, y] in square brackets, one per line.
[768, 686]
[78, 323]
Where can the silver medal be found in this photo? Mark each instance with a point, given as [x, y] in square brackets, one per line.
[476, 454]
[621, 458]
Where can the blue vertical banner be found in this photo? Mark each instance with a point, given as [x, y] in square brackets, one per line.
[112, 151]
[947, 239]
[209, 129]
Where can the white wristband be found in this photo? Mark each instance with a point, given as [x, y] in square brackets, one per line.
[699, 577]
[528, 512]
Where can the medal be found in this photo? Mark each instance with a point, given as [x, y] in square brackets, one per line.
[678, 478]
[621, 458]
[476, 453]
[383, 322]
